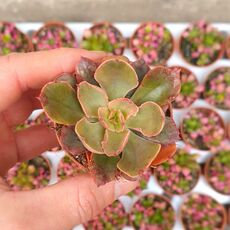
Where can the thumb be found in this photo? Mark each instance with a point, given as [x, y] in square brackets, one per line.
[61, 206]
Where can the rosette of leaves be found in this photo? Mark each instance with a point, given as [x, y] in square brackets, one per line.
[110, 117]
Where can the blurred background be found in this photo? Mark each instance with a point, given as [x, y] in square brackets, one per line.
[115, 10]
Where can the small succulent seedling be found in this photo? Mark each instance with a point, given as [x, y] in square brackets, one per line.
[110, 116]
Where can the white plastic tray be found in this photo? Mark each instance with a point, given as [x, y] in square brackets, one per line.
[201, 73]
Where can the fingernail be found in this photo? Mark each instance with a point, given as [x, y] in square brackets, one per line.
[123, 187]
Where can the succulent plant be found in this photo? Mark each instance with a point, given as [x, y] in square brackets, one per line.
[202, 212]
[152, 212]
[111, 117]
[180, 174]
[32, 174]
[201, 44]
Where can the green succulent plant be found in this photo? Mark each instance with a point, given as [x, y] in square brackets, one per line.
[111, 119]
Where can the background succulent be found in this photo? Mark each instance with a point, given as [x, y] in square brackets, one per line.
[111, 115]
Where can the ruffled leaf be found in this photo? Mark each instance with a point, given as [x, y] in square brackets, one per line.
[104, 168]
[86, 69]
[91, 98]
[60, 102]
[112, 120]
[126, 106]
[114, 143]
[116, 77]
[149, 120]
[90, 134]
[137, 155]
[160, 85]
[168, 135]
[166, 152]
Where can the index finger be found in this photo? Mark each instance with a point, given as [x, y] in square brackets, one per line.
[20, 72]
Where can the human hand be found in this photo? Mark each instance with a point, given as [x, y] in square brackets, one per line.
[60, 206]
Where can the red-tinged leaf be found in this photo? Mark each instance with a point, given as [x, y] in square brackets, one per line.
[168, 135]
[104, 168]
[67, 77]
[166, 152]
[160, 85]
[141, 68]
[69, 141]
[86, 69]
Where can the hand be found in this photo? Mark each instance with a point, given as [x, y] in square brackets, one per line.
[69, 202]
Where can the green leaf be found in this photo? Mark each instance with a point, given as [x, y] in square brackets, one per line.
[160, 85]
[59, 101]
[91, 98]
[114, 143]
[104, 168]
[125, 105]
[149, 120]
[90, 134]
[137, 155]
[117, 77]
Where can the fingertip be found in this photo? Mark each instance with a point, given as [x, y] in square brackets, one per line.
[122, 187]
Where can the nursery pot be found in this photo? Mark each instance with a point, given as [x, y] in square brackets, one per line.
[224, 220]
[170, 193]
[219, 56]
[27, 38]
[133, 37]
[207, 111]
[187, 72]
[50, 25]
[207, 177]
[99, 24]
[208, 77]
[164, 199]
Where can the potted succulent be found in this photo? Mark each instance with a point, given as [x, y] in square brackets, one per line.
[153, 42]
[217, 171]
[32, 174]
[217, 88]
[202, 128]
[152, 212]
[53, 35]
[111, 218]
[106, 120]
[104, 36]
[68, 168]
[13, 40]
[190, 89]
[180, 174]
[202, 212]
[201, 44]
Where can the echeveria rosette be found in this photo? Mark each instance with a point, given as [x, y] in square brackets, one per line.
[115, 118]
